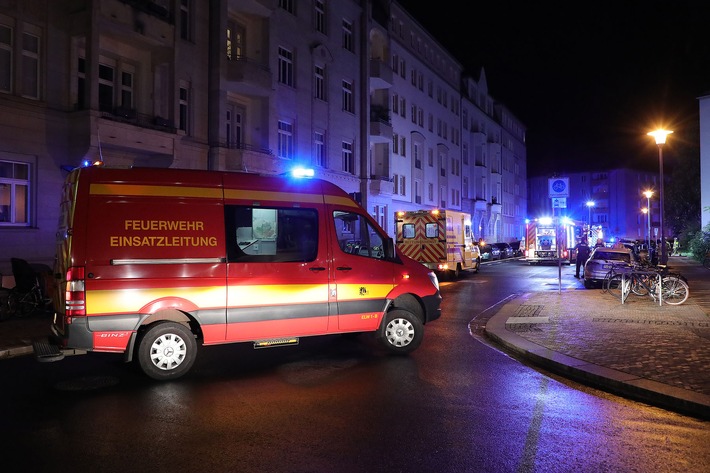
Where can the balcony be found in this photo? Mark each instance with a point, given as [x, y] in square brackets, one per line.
[380, 126]
[250, 158]
[380, 75]
[381, 185]
[249, 77]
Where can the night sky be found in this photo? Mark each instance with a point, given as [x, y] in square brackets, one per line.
[588, 79]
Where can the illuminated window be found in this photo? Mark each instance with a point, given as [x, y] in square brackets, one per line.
[14, 193]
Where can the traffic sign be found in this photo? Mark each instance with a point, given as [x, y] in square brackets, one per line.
[558, 187]
[559, 202]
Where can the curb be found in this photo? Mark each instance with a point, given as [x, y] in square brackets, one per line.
[607, 379]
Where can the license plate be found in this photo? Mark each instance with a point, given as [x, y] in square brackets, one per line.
[606, 266]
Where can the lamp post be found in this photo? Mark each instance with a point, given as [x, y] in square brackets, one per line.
[590, 204]
[660, 137]
[648, 195]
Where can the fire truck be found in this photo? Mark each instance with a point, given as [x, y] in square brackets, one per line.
[441, 240]
[549, 241]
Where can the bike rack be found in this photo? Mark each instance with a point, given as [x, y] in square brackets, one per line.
[626, 287]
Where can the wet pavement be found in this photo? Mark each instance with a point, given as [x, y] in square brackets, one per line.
[659, 355]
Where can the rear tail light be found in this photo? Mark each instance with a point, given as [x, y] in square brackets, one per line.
[75, 294]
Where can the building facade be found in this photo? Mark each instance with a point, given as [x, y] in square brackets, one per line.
[612, 200]
[357, 90]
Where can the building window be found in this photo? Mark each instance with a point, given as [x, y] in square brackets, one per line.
[417, 192]
[235, 41]
[319, 86]
[185, 20]
[319, 144]
[347, 36]
[5, 58]
[184, 104]
[403, 185]
[348, 157]
[285, 67]
[106, 88]
[348, 103]
[430, 158]
[30, 66]
[285, 140]
[320, 16]
[81, 84]
[416, 150]
[14, 193]
[127, 90]
[395, 143]
[288, 5]
[430, 192]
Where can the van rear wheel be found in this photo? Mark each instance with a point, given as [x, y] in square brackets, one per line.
[401, 332]
[167, 351]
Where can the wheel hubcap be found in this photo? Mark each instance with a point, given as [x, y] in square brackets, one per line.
[400, 332]
[168, 351]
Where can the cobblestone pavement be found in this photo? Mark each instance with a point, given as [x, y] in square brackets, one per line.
[657, 354]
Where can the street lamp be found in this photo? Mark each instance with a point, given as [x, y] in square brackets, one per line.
[590, 204]
[648, 195]
[660, 137]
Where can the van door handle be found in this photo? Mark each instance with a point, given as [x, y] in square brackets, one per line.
[317, 268]
[343, 268]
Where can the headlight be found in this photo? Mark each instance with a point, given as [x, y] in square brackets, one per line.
[434, 280]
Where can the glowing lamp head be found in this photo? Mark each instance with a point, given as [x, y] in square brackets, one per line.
[648, 194]
[659, 135]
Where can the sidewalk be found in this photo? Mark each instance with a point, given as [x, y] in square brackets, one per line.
[659, 355]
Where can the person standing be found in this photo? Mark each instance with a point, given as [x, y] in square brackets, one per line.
[582, 250]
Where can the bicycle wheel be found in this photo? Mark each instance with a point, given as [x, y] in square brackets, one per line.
[23, 304]
[674, 290]
[640, 284]
[4, 304]
[612, 285]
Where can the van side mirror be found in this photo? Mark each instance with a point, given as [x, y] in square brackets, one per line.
[389, 248]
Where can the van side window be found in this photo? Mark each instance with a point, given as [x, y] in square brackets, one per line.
[356, 236]
[270, 235]
[408, 230]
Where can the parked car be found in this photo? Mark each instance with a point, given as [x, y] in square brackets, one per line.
[517, 247]
[489, 252]
[600, 262]
[506, 251]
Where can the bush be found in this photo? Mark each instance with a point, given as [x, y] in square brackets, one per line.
[699, 244]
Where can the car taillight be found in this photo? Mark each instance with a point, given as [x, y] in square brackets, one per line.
[74, 295]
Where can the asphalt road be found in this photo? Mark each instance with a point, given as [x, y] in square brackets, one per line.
[340, 404]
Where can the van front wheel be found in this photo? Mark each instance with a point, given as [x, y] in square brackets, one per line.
[167, 351]
[401, 332]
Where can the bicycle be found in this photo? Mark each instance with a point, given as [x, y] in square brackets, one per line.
[27, 295]
[655, 282]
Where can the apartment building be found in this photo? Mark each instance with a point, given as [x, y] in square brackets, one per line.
[357, 90]
[612, 200]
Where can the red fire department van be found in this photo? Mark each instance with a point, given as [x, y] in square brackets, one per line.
[153, 262]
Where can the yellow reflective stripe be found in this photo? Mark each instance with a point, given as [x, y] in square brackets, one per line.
[132, 300]
[344, 201]
[363, 291]
[246, 296]
[268, 195]
[159, 191]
